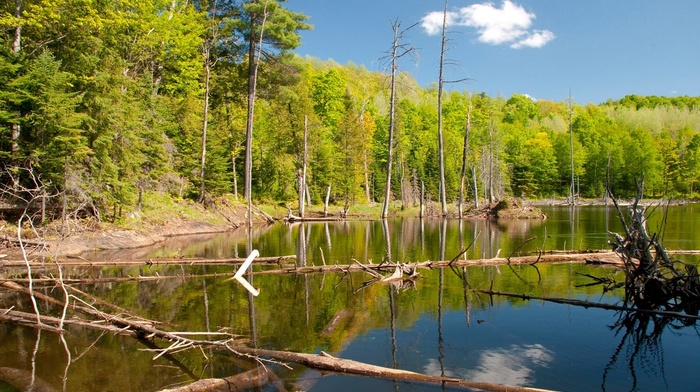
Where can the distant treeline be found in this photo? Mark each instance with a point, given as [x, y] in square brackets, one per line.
[652, 102]
[108, 100]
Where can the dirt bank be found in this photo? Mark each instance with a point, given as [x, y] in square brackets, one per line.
[128, 239]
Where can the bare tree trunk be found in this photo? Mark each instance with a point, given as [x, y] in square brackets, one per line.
[392, 120]
[441, 147]
[572, 194]
[397, 51]
[302, 174]
[476, 190]
[328, 196]
[235, 176]
[365, 158]
[366, 169]
[16, 48]
[308, 193]
[490, 178]
[465, 151]
[421, 212]
[207, 75]
[254, 52]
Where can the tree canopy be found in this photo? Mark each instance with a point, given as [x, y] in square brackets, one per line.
[104, 100]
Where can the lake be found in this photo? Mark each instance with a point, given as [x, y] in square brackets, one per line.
[439, 325]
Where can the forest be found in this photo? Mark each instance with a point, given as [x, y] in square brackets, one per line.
[102, 102]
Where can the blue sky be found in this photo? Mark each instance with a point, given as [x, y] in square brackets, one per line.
[600, 49]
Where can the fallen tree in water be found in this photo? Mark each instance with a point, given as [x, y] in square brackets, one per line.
[287, 265]
[178, 341]
[653, 281]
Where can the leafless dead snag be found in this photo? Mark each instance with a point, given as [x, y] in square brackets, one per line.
[653, 281]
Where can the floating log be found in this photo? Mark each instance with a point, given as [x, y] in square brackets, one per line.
[591, 257]
[253, 379]
[126, 263]
[327, 362]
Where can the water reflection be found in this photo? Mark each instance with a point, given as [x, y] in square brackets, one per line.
[515, 365]
[641, 347]
[440, 325]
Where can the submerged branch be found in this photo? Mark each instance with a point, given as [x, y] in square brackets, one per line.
[588, 304]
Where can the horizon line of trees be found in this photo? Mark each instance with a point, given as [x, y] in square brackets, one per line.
[106, 101]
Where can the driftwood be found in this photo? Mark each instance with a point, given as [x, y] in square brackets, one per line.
[653, 281]
[324, 362]
[125, 263]
[591, 257]
[13, 240]
[120, 279]
[295, 219]
[253, 379]
[291, 218]
[327, 362]
[603, 257]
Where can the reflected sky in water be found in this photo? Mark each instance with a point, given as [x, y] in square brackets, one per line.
[438, 325]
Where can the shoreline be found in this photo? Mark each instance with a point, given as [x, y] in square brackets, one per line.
[146, 235]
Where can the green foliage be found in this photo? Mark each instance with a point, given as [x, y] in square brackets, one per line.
[109, 99]
[51, 126]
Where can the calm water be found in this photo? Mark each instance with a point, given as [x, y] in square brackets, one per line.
[440, 325]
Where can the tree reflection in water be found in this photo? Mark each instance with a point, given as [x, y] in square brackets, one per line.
[641, 345]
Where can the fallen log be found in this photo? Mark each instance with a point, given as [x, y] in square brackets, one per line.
[327, 362]
[149, 262]
[120, 279]
[603, 257]
[324, 362]
[295, 219]
[591, 257]
[253, 379]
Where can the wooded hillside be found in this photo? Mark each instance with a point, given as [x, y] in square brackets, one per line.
[105, 101]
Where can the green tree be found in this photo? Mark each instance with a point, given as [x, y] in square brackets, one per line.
[264, 23]
[51, 125]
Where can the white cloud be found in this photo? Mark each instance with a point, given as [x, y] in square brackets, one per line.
[432, 22]
[508, 24]
[537, 39]
[497, 25]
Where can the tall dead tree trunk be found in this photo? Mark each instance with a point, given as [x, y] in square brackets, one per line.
[207, 75]
[397, 51]
[421, 213]
[465, 151]
[302, 174]
[254, 52]
[441, 147]
[572, 193]
[489, 188]
[325, 204]
[392, 111]
[16, 48]
[476, 190]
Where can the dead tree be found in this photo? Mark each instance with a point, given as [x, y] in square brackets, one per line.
[465, 152]
[441, 148]
[653, 280]
[398, 50]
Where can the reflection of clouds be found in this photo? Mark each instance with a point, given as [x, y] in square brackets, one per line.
[513, 366]
[433, 369]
